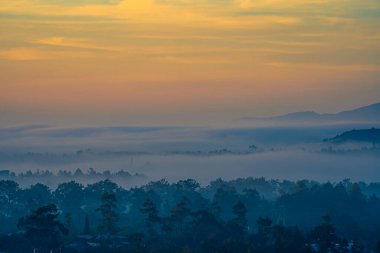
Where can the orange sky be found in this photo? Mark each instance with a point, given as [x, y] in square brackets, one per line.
[162, 62]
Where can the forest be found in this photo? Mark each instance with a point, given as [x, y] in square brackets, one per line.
[242, 215]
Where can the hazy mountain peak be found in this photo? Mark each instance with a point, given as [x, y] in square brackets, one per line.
[369, 113]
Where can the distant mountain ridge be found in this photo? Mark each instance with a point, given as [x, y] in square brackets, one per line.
[370, 113]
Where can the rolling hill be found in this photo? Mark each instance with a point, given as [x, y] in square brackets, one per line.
[362, 135]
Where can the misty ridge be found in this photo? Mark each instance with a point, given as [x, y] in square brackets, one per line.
[369, 113]
[362, 135]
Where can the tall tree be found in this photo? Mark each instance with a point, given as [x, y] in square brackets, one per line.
[240, 212]
[150, 210]
[325, 236]
[10, 205]
[42, 227]
[180, 212]
[263, 239]
[70, 198]
[37, 195]
[108, 210]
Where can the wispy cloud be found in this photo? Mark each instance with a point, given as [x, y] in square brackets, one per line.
[37, 54]
[295, 43]
[123, 52]
[24, 54]
[79, 2]
[331, 20]
[72, 43]
[336, 67]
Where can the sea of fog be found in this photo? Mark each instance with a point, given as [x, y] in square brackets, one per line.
[203, 154]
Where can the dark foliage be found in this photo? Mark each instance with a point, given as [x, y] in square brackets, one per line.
[42, 228]
[243, 215]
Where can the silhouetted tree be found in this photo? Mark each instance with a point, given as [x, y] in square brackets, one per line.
[11, 204]
[180, 212]
[37, 195]
[108, 210]
[226, 196]
[240, 212]
[42, 227]
[70, 198]
[324, 236]
[166, 217]
[215, 209]
[263, 240]
[150, 210]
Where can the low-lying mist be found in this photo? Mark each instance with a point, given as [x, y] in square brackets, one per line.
[203, 154]
[287, 164]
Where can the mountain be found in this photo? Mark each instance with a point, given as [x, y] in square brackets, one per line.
[370, 113]
[366, 113]
[362, 135]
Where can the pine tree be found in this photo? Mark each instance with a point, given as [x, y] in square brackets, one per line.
[240, 212]
[325, 235]
[108, 210]
[149, 209]
[43, 228]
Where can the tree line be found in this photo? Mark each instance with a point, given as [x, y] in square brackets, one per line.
[243, 215]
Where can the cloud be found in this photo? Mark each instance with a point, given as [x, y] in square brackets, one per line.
[24, 54]
[66, 45]
[337, 20]
[257, 21]
[336, 67]
[71, 42]
[295, 43]
[277, 4]
[80, 2]
[37, 54]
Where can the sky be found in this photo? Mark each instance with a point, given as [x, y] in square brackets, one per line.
[183, 62]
